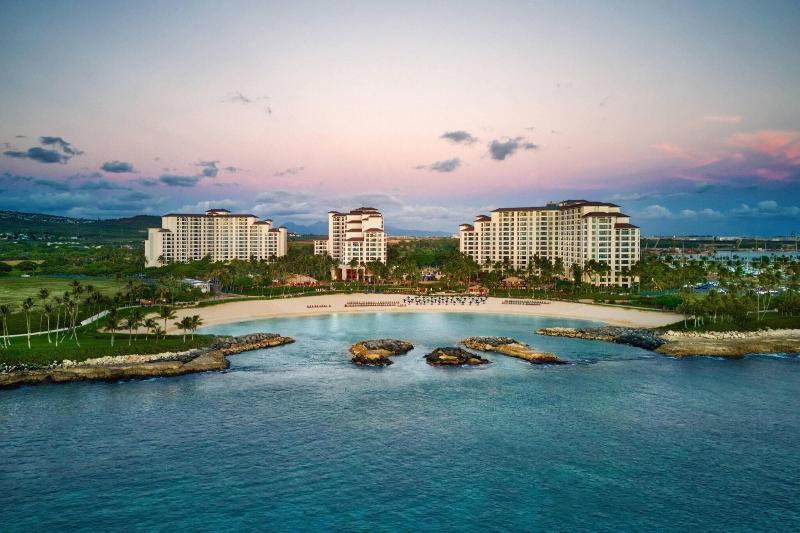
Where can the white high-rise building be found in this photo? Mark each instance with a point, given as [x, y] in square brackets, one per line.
[576, 231]
[357, 236]
[219, 234]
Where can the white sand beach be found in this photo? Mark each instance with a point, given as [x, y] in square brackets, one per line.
[328, 304]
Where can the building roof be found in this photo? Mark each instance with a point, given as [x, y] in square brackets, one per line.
[467, 227]
[373, 230]
[356, 239]
[482, 218]
[603, 214]
[581, 203]
[625, 225]
[349, 230]
[506, 209]
[204, 215]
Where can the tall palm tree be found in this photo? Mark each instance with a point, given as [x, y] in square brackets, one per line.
[150, 325]
[5, 311]
[195, 322]
[48, 311]
[166, 313]
[133, 322]
[27, 305]
[112, 322]
[185, 324]
[43, 295]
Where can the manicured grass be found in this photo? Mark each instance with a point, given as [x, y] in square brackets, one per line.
[15, 289]
[94, 344]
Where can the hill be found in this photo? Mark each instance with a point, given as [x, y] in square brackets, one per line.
[40, 226]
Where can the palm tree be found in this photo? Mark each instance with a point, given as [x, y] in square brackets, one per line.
[185, 324]
[150, 324]
[166, 313]
[158, 331]
[5, 311]
[195, 322]
[133, 322]
[27, 305]
[43, 295]
[48, 311]
[112, 322]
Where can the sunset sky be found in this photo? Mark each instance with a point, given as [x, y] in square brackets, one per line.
[685, 113]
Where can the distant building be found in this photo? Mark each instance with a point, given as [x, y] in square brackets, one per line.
[577, 231]
[355, 237]
[219, 234]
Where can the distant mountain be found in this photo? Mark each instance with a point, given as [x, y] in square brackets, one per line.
[40, 226]
[321, 228]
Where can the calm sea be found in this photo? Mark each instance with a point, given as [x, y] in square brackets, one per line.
[298, 438]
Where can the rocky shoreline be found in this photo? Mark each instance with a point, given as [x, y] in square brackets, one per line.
[377, 352]
[454, 356]
[730, 344]
[512, 348]
[115, 368]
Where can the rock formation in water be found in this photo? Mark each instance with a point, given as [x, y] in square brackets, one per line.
[115, 368]
[730, 344]
[512, 348]
[639, 337]
[453, 356]
[377, 352]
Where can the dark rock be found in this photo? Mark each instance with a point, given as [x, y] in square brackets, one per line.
[453, 356]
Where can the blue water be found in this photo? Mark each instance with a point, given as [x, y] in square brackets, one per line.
[298, 438]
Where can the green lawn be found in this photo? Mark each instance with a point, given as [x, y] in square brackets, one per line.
[14, 289]
[93, 344]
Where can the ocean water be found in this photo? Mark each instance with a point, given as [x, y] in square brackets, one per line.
[298, 438]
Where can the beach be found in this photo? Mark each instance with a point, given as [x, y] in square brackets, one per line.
[240, 311]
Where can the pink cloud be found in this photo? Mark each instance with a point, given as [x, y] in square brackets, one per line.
[779, 144]
[723, 119]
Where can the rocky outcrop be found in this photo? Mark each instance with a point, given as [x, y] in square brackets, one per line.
[730, 344]
[453, 356]
[377, 352]
[512, 348]
[639, 337]
[213, 357]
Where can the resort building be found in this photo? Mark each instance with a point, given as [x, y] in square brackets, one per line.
[354, 238]
[218, 234]
[576, 231]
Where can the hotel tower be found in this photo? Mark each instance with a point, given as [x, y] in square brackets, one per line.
[219, 234]
[577, 231]
[355, 236]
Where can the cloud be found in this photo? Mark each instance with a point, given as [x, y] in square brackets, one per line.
[210, 168]
[784, 145]
[501, 149]
[99, 185]
[61, 152]
[660, 212]
[147, 182]
[42, 155]
[291, 171]
[448, 165]
[723, 119]
[52, 184]
[766, 208]
[459, 137]
[117, 167]
[233, 170]
[237, 97]
[179, 181]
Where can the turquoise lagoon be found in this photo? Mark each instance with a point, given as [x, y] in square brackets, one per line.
[298, 438]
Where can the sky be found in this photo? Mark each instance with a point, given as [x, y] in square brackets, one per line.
[687, 114]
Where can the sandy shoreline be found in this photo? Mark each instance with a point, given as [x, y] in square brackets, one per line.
[294, 307]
